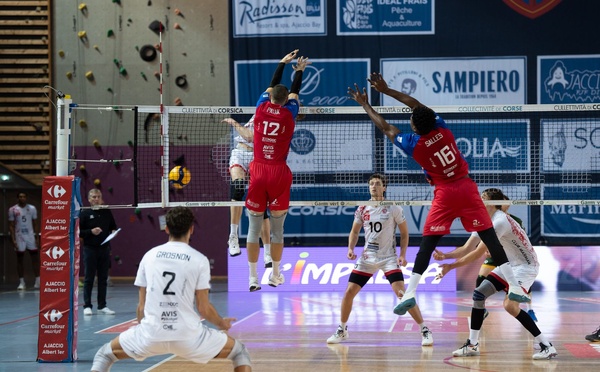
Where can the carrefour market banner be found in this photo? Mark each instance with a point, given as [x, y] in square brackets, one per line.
[457, 81]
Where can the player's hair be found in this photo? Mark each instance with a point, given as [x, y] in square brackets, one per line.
[179, 221]
[423, 119]
[280, 94]
[494, 194]
[21, 192]
[380, 176]
[94, 191]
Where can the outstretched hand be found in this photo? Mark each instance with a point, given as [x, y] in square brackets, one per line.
[438, 255]
[445, 270]
[290, 56]
[226, 323]
[377, 82]
[301, 64]
[356, 95]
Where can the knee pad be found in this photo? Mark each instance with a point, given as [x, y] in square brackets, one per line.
[104, 358]
[239, 355]
[255, 222]
[480, 279]
[277, 228]
[238, 189]
[481, 293]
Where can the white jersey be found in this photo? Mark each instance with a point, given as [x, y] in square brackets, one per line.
[379, 224]
[517, 246]
[239, 139]
[172, 273]
[23, 218]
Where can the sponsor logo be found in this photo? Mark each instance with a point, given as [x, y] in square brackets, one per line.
[564, 83]
[53, 315]
[303, 142]
[532, 9]
[56, 191]
[55, 252]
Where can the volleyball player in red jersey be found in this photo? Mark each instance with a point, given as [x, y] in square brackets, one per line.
[270, 176]
[434, 148]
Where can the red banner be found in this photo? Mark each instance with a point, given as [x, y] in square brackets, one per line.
[57, 334]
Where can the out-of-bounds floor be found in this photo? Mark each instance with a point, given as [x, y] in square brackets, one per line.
[286, 331]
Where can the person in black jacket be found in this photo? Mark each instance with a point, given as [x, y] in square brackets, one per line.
[95, 225]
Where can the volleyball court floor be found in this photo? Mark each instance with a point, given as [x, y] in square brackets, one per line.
[286, 331]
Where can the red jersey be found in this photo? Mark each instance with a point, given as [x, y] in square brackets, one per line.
[273, 130]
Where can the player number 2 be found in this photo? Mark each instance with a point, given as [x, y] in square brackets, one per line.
[445, 155]
[270, 129]
[166, 290]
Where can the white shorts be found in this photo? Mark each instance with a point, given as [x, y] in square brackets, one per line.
[201, 349]
[241, 158]
[26, 241]
[524, 274]
[369, 263]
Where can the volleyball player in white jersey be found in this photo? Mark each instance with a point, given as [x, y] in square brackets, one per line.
[23, 230]
[379, 253]
[239, 163]
[173, 281]
[525, 265]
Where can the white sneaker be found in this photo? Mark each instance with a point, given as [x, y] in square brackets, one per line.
[106, 311]
[87, 311]
[267, 258]
[37, 283]
[427, 337]
[467, 350]
[339, 336]
[254, 284]
[109, 283]
[234, 246]
[21, 286]
[547, 352]
[275, 281]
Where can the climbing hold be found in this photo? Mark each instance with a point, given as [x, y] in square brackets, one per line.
[82, 34]
[148, 53]
[61, 53]
[110, 90]
[130, 143]
[96, 143]
[82, 123]
[89, 75]
[144, 75]
[83, 7]
[97, 182]
[178, 102]
[177, 26]
[82, 168]
[110, 33]
[138, 211]
[96, 47]
[69, 75]
[123, 71]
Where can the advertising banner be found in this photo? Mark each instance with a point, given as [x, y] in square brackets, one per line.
[324, 82]
[275, 18]
[492, 145]
[457, 81]
[317, 269]
[339, 147]
[570, 145]
[57, 334]
[568, 79]
[579, 220]
[385, 17]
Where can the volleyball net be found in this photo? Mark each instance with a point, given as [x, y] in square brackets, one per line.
[537, 154]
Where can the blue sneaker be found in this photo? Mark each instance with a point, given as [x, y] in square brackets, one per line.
[532, 315]
[404, 306]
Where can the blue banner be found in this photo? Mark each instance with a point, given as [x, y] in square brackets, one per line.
[568, 79]
[325, 81]
[579, 220]
[385, 17]
[501, 145]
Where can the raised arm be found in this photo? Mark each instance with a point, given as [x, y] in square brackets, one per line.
[278, 74]
[362, 99]
[297, 83]
[379, 84]
[246, 133]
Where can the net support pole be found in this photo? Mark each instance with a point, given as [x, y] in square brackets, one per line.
[63, 133]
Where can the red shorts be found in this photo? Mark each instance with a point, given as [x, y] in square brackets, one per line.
[269, 186]
[458, 199]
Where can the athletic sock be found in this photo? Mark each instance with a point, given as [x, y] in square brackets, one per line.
[253, 272]
[413, 283]
[233, 229]
[276, 268]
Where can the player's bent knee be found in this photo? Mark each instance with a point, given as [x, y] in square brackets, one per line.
[238, 189]
[104, 359]
[277, 228]
[239, 355]
[255, 222]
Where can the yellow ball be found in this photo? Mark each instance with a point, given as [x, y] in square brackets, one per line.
[179, 177]
[97, 182]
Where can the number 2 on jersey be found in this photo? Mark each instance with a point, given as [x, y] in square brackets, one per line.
[270, 128]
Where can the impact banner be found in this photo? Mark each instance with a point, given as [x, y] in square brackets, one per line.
[57, 333]
[457, 81]
[318, 269]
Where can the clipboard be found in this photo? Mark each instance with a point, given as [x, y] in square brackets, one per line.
[111, 236]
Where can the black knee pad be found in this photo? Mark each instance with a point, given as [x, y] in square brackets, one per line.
[238, 189]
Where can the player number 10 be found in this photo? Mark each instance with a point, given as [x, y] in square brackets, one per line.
[445, 155]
